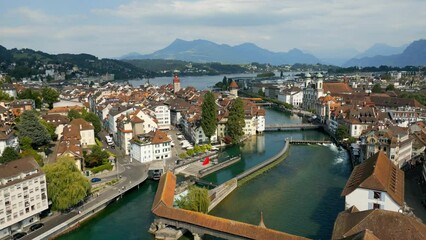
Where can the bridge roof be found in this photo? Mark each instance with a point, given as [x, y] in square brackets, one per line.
[163, 207]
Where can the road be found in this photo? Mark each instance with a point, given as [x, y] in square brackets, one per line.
[131, 172]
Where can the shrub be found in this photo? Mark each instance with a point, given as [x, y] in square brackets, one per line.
[106, 166]
[183, 155]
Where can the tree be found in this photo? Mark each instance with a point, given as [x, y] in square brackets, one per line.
[50, 128]
[261, 93]
[225, 84]
[390, 87]
[50, 96]
[209, 115]
[25, 143]
[376, 88]
[73, 114]
[30, 126]
[236, 122]
[9, 154]
[342, 132]
[4, 96]
[31, 94]
[94, 119]
[197, 200]
[66, 186]
[96, 158]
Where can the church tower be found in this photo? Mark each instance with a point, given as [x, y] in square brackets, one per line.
[176, 82]
[320, 81]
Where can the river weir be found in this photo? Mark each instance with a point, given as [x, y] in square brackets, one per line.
[301, 195]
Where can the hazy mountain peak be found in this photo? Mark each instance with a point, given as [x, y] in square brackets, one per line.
[206, 51]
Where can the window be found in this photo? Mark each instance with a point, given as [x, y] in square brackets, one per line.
[376, 206]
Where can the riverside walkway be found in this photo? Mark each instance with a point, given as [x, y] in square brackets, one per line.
[288, 127]
[309, 141]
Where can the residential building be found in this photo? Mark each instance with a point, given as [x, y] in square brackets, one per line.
[376, 183]
[21, 105]
[58, 121]
[64, 110]
[23, 195]
[162, 114]
[155, 145]
[9, 89]
[114, 114]
[7, 138]
[377, 224]
[393, 140]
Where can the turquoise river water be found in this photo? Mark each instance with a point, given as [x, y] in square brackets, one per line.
[300, 196]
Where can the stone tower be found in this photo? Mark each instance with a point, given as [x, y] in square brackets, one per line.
[233, 88]
[176, 82]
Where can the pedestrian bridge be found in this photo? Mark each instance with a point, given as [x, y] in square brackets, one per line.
[200, 224]
[288, 127]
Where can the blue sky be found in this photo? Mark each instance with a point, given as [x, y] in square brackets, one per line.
[108, 28]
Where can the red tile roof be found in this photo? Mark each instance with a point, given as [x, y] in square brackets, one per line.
[336, 87]
[377, 173]
[163, 207]
[384, 224]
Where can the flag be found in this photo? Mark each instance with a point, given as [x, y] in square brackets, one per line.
[206, 161]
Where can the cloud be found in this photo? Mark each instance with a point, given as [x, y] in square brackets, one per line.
[149, 25]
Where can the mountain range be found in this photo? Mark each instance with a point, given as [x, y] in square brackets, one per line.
[207, 51]
[413, 55]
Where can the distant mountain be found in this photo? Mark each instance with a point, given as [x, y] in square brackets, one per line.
[30, 62]
[206, 51]
[382, 50]
[413, 55]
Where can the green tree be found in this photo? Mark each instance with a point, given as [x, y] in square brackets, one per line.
[236, 122]
[376, 88]
[73, 114]
[261, 93]
[31, 94]
[390, 87]
[197, 200]
[66, 186]
[209, 115]
[94, 119]
[9, 154]
[342, 132]
[225, 84]
[30, 126]
[4, 96]
[96, 158]
[50, 128]
[25, 143]
[50, 96]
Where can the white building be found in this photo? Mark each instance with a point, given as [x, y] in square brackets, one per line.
[9, 89]
[293, 96]
[375, 184]
[155, 145]
[162, 114]
[113, 115]
[23, 195]
[7, 138]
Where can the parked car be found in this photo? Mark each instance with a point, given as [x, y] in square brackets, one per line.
[36, 226]
[93, 180]
[19, 235]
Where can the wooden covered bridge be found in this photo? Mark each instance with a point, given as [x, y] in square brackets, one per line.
[200, 224]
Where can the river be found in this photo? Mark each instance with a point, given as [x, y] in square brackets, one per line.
[300, 196]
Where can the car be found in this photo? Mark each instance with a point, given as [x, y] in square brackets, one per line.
[112, 146]
[19, 235]
[36, 226]
[93, 180]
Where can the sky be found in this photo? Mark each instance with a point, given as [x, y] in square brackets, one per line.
[112, 28]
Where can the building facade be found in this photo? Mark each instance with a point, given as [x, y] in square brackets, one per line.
[23, 195]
